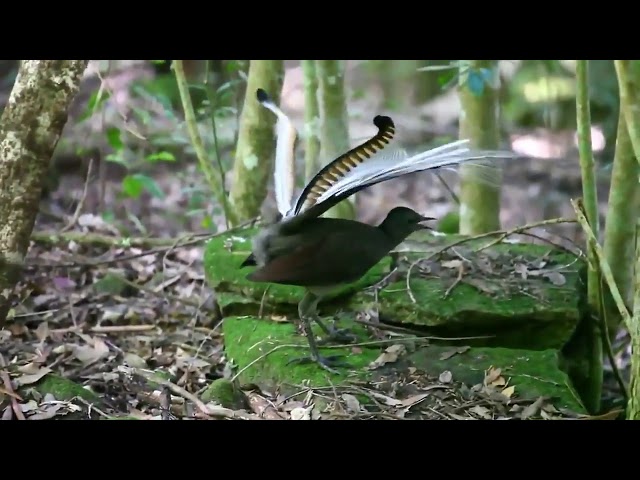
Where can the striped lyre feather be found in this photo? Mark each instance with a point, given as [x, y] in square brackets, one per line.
[332, 173]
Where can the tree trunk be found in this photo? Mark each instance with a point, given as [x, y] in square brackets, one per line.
[479, 122]
[30, 128]
[311, 120]
[334, 123]
[256, 141]
[593, 390]
[620, 226]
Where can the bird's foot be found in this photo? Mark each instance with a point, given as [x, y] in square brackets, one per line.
[328, 363]
[339, 335]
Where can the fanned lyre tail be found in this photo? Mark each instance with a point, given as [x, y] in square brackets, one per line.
[386, 167]
[284, 171]
[341, 166]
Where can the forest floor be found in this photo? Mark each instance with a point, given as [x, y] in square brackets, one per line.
[87, 305]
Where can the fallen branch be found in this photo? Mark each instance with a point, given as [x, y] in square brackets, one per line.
[210, 411]
[163, 245]
[98, 239]
[502, 235]
[107, 329]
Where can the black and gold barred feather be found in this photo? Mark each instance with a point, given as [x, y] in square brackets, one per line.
[346, 162]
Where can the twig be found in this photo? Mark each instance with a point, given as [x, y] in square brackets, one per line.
[351, 345]
[604, 266]
[209, 411]
[10, 391]
[165, 295]
[607, 343]
[78, 210]
[214, 130]
[107, 329]
[216, 186]
[90, 406]
[503, 234]
[457, 281]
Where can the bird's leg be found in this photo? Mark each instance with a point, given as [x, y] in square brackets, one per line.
[307, 310]
[339, 335]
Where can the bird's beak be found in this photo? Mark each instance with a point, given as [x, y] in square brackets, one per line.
[421, 223]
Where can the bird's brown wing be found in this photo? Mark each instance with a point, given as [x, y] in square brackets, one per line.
[329, 260]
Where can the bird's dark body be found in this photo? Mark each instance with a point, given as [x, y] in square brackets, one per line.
[326, 252]
[329, 251]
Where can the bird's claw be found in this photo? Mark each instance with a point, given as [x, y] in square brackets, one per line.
[339, 335]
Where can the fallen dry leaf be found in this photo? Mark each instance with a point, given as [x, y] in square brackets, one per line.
[391, 402]
[556, 278]
[508, 392]
[482, 412]
[42, 332]
[452, 264]
[301, 413]
[414, 400]
[491, 375]
[456, 351]
[135, 361]
[390, 355]
[353, 405]
[533, 409]
[28, 379]
[88, 354]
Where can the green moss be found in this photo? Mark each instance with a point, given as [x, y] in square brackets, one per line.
[533, 373]
[527, 313]
[267, 346]
[225, 393]
[63, 389]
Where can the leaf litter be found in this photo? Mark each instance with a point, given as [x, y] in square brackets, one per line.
[147, 354]
[137, 332]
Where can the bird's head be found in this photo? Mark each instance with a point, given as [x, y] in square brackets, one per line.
[402, 222]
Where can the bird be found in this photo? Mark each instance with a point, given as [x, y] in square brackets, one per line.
[301, 248]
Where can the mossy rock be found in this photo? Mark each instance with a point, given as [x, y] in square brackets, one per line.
[261, 349]
[226, 393]
[521, 297]
[495, 300]
[532, 373]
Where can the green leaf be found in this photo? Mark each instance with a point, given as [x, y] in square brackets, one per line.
[207, 222]
[161, 157]
[158, 62]
[116, 158]
[475, 82]
[114, 138]
[447, 78]
[133, 185]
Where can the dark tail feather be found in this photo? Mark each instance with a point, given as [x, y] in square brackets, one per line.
[250, 261]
